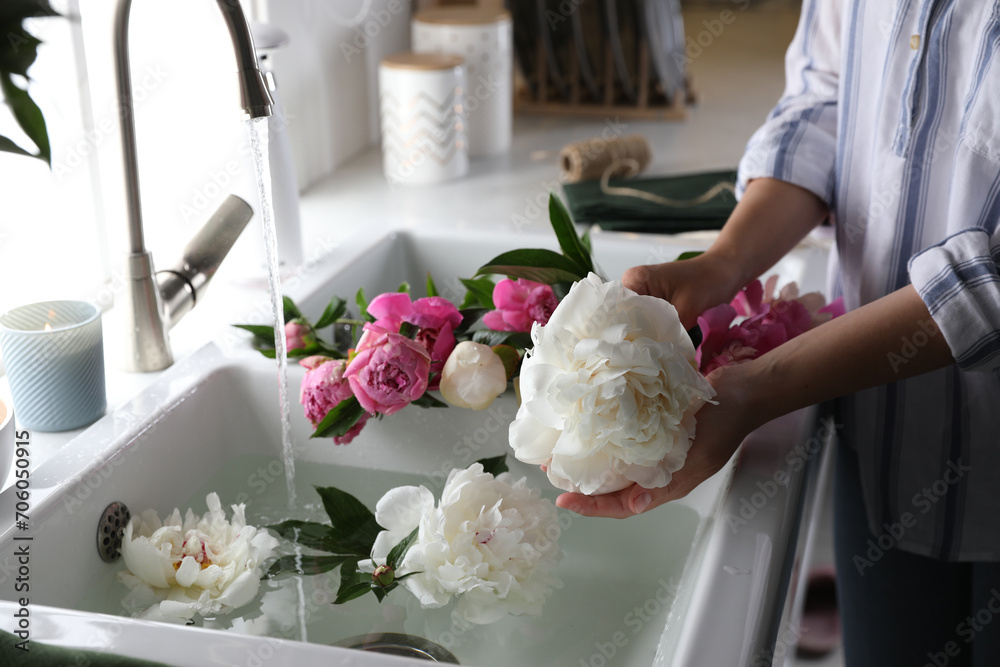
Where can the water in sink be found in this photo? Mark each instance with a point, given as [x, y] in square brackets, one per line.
[611, 609]
[212, 423]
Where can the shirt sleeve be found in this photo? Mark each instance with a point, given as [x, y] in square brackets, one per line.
[959, 281]
[797, 142]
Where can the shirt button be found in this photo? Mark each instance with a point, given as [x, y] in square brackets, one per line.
[915, 42]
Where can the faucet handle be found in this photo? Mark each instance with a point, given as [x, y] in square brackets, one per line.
[181, 285]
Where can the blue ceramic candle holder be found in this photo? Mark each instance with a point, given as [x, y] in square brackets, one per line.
[54, 355]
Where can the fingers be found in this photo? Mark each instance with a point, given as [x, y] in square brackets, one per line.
[628, 502]
[637, 279]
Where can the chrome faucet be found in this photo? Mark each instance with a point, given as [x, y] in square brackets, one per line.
[153, 301]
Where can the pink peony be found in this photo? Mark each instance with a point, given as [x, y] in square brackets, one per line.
[323, 387]
[770, 322]
[389, 370]
[519, 303]
[298, 335]
[434, 317]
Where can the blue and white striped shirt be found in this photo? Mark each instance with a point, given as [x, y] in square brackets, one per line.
[891, 114]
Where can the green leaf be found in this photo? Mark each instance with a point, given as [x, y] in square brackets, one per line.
[570, 243]
[28, 116]
[362, 302]
[334, 311]
[469, 301]
[470, 317]
[561, 290]
[428, 401]
[18, 49]
[353, 590]
[585, 240]
[340, 419]
[396, 554]
[379, 590]
[350, 519]
[432, 289]
[518, 339]
[537, 264]
[306, 564]
[8, 146]
[303, 352]
[258, 330]
[348, 572]
[510, 358]
[263, 337]
[482, 289]
[404, 287]
[318, 536]
[495, 465]
[696, 335]
[291, 311]
[408, 329]
[690, 254]
[17, 10]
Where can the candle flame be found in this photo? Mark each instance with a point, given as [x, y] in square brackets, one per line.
[48, 327]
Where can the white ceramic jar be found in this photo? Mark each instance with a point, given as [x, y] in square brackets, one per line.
[421, 97]
[484, 38]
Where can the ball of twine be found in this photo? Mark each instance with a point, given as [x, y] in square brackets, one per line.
[621, 157]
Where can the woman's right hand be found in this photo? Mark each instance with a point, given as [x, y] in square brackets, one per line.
[692, 286]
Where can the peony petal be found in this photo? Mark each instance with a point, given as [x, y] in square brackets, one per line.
[400, 509]
[531, 440]
[241, 590]
[188, 571]
[146, 561]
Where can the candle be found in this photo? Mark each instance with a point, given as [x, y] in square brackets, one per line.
[54, 355]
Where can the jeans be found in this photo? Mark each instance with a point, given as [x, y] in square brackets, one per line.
[898, 608]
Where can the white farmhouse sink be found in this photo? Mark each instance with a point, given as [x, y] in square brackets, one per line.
[634, 591]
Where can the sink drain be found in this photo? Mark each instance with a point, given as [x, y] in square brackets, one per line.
[394, 643]
[110, 529]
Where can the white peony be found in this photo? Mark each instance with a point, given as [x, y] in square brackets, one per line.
[473, 376]
[203, 565]
[490, 542]
[609, 391]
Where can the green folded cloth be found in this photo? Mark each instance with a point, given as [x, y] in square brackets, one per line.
[45, 655]
[588, 204]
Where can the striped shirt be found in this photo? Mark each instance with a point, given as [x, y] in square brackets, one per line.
[891, 114]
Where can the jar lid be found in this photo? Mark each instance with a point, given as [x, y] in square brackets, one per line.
[424, 61]
[461, 15]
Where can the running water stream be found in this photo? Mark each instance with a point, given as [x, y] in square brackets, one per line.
[257, 128]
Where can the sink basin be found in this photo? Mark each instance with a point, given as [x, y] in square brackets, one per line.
[631, 589]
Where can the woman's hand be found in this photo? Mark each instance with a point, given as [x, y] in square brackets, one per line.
[720, 430]
[692, 286]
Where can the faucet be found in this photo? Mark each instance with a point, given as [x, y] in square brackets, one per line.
[154, 301]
